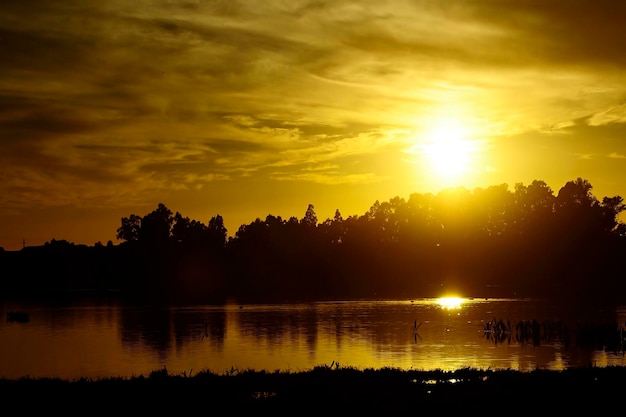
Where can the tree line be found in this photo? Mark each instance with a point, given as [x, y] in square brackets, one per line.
[529, 241]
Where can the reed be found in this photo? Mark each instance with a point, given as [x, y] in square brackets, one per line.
[331, 388]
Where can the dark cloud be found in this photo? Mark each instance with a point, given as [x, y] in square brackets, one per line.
[558, 33]
[36, 119]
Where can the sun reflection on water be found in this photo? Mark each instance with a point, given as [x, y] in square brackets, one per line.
[450, 303]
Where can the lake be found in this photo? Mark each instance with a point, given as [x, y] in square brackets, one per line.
[106, 338]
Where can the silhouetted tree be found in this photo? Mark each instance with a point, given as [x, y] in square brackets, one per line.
[578, 214]
[156, 226]
[620, 230]
[533, 207]
[189, 233]
[332, 229]
[310, 218]
[217, 232]
[486, 241]
[611, 209]
[576, 194]
[130, 228]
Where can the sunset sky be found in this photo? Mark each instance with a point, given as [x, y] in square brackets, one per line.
[250, 108]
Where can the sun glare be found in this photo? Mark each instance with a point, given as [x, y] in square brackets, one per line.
[447, 151]
[450, 303]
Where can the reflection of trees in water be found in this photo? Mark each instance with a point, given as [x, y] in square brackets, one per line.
[274, 327]
[153, 327]
[602, 337]
[191, 326]
[594, 336]
[145, 325]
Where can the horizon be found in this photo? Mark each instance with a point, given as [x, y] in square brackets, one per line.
[245, 111]
[232, 232]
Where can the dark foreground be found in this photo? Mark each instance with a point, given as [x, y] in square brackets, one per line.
[326, 390]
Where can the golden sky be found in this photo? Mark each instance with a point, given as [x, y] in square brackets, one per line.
[250, 108]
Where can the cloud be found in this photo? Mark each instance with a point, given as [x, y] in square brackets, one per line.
[615, 114]
[328, 178]
[108, 101]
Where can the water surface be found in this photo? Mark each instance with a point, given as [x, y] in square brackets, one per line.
[96, 339]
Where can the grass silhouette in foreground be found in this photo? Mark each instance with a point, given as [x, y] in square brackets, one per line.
[327, 389]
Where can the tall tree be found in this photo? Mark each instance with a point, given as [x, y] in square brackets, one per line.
[156, 226]
[217, 231]
[576, 194]
[310, 218]
[130, 228]
[611, 209]
[188, 232]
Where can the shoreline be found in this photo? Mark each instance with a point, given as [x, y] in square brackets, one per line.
[332, 389]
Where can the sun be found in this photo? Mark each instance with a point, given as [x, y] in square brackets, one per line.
[448, 150]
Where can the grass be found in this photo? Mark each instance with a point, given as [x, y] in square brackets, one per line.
[326, 389]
